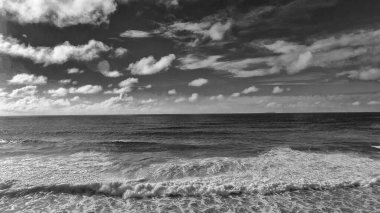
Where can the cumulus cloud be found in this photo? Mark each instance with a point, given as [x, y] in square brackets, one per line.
[104, 68]
[193, 97]
[60, 92]
[28, 79]
[86, 89]
[198, 82]
[124, 87]
[251, 89]
[56, 55]
[74, 71]
[235, 95]
[147, 101]
[172, 92]
[277, 90]
[119, 52]
[179, 100]
[217, 97]
[24, 92]
[135, 34]
[65, 81]
[57, 12]
[366, 74]
[149, 65]
[75, 98]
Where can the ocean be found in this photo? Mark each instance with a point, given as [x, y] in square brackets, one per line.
[191, 163]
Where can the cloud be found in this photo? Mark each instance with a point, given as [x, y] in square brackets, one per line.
[119, 52]
[198, 82]
[56, 55]
[65, 81]
[251, 89]
[57, 12]
[86, 89]
[235, 95]
[135, 34]
[24, 92]
[74, 71]
[367, 74]
[60, 92]
[104, 68]
[277, 90]
[373, 103]
[124, 87]
[75, 98]
[147, 101]
[179, 100]
[215, 30]
[193, 97]
[191, 62]
[172, 92]
[149, 65]
[240, 68]
[356, 103]
[28, 79]
[217, 97]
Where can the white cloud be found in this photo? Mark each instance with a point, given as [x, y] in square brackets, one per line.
[75, 98]
[112, 74]
[356, 103]
[366, 74]
[74, 71]
[24, 92]
[235, 95]
[217, 97]
[179, 100]
[277, 90]
[172, 92]
[206, 29]
[149, 65]
[217, 31]
[86, 89]
[104, 69]
[147, 101]
[56, 55]
[251, 89]
[240, 68]
[58, 12]
[374, 103]
[124, 87]
[65, 81]
[191, 62]
[198, 82]
[120, 51]
[193, 97]
[28, 79]
[60, 92]
[135, 34]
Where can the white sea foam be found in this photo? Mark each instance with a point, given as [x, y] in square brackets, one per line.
[279, 170]
[377, 147]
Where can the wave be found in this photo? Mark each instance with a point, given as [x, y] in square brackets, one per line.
[184, 188]
[276, 171]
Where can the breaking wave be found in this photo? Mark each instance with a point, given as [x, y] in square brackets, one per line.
[276, 171]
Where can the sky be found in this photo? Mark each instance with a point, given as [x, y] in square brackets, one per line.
[188, 56]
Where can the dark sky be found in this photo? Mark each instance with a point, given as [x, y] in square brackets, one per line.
[188, 56]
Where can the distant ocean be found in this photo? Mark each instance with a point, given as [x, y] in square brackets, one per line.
[191, 163]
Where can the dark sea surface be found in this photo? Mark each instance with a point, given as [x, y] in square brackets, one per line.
[191, 163]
